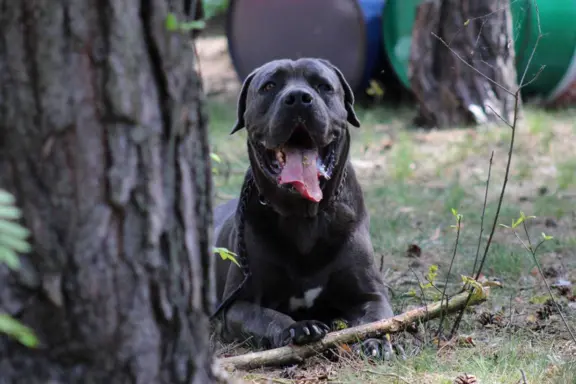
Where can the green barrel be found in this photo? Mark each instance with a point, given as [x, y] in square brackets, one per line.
[397, 23]
[556, 49]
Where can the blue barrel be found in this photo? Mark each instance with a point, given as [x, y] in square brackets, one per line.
[345, 32]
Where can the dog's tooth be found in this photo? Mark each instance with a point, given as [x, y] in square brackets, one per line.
[280, 156]
[321, 169]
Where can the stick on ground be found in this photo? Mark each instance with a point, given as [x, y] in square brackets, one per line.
[295, 354]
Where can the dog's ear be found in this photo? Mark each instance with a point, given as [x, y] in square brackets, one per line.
[241, 108]
[348, 94]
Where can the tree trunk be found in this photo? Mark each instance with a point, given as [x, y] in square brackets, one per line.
[474, 32]
[103, 140]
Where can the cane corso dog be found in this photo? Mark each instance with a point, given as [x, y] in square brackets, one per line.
[306, 230]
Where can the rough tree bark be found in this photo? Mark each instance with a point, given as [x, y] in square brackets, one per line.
[103, 140]
[448, 91]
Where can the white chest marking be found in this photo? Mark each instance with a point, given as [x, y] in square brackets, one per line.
[307, 301]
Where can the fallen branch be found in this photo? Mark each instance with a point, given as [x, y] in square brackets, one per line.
[294, 354]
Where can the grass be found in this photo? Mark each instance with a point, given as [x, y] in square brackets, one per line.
[499, 361]
[412, 179]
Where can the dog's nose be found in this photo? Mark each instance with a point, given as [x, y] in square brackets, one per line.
[298, 97]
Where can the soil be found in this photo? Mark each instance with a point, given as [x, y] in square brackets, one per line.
[218, 75]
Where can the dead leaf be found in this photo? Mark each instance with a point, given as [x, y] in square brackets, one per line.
[550, 223]
[414, 251]
[345, 348]
[385, 144]
[550, 271]
[465, 341]
[436, 235]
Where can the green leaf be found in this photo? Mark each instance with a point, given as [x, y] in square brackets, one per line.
[171, 22]
[432, 273]
[17, 330]
[14, 243]
[539, 299]
[339, 324]
[226, 254]
[454, 212]
[12, 235]
[9, 257]
[215, 157]
[517, 222]
[521, 219]
[425, 286]
[10, 212]
[6, 198]
[546, 237]
[192, 25]
[375, 89]
[13, 229]
[467, 22]
[475, 284]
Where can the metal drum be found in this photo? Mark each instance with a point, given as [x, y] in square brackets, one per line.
[345, 32]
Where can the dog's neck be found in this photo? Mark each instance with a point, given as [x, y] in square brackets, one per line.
[286, 203]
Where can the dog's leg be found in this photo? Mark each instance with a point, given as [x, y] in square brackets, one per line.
[365, 291]
[264, 327]
[268, 328]
[369, 311]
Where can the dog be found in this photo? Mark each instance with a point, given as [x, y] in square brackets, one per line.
[304, 228]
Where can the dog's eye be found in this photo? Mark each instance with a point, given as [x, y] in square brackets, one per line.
[268, 86]
[324, 87]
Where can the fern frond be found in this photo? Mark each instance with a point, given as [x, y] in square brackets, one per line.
[13, 236]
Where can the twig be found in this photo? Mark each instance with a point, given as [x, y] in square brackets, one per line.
[397, 377]
[534, 50]
[511, 148]
[483, 212]
[439, 284]
[504, 184]
[524, 381]
[484, 17]
[295, 354]
[513, 126]
[461, 314]
[427, 326]
[472, 67]
[458, 226]
[532, 252]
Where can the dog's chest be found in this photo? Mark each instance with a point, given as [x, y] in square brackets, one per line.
[305, 300]
[300, 294]
[303, 236]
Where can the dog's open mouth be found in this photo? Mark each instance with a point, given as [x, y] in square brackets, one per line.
[299, 165]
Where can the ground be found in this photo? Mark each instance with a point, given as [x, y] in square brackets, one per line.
[412, 180]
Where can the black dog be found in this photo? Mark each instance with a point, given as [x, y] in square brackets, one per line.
[305, 227]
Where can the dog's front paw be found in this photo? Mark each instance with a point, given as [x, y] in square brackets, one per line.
[304, 332]
[379, 349]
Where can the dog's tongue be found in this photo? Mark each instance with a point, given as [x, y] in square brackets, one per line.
[301, 171]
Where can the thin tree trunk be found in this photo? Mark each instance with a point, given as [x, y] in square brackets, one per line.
[449, 92]
[103, 140]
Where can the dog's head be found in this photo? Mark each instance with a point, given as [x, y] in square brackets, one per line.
[296, 114]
